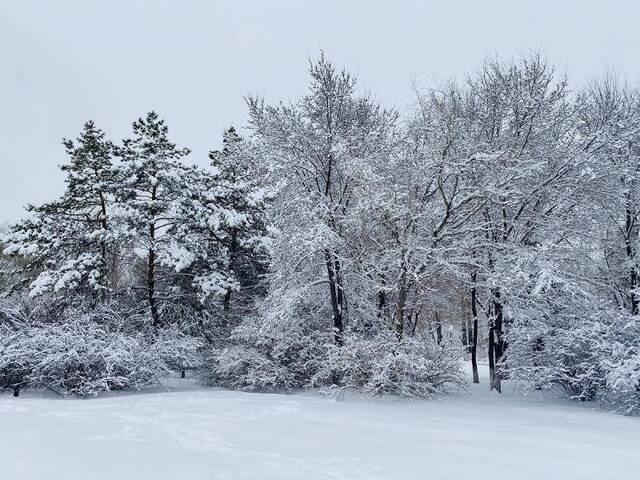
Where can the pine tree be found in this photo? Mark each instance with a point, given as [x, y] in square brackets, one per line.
[68, 241]
[237, 212]
[154, 182]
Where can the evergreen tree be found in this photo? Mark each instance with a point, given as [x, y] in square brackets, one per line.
[154, 183]
[237, 213]
[68, 241]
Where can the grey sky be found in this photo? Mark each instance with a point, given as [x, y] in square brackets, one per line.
[64, 62]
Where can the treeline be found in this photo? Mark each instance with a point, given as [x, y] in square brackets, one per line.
[327, 247]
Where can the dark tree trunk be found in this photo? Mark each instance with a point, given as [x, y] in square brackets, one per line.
[234, 248]
[398, 324]
[635, 302]
[465, 330]
[464, 334]
[151, 287]
[633, 274]
[151, 267]
[499, 332]
[16, 391]
[382, 300]
[492, 364]
[226, 302]
[103, 248]
[336, 297]
[496, 345]
[438, 329]
[415, 323]
[474, 340]
[339, 292]
[500, 343]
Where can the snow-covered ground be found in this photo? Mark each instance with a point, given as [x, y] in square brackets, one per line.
[192, 433]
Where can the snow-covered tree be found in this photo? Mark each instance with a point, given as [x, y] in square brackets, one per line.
[70, 242]
[316, 150]
[579, 330]
[334, 160]
[235, 201]
[154, 183]
[523, 154]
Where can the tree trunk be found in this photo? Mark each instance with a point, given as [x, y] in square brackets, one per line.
[474, 341]
[463, 334]
[336, 294]
[500, 343]
[234, 248]
[103, 247]
[633, 274]
[151, 266]
[465, 330]
[339, 292]
[492, 364]
[415, 324]
[398, 322]
[103, 225]
[438, 329]
[151, 286]
[226, 302]
[382, 300]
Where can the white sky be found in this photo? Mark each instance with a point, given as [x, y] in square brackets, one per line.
[63, 62]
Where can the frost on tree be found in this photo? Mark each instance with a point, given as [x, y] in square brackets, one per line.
[153, 184]
[69, 243]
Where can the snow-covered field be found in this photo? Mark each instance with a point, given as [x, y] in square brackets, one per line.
[190, 433]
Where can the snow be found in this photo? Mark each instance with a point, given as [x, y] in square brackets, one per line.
[193, 433]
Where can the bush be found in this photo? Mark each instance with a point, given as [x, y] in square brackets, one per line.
[266, 360]
[16, 362]
[623, 384]
[177, 351]
[412, 367]
[81, 358]
[89, 353]
[587, 357]
[248, 369]
[621, 365]
[274, 360]
[564, 358]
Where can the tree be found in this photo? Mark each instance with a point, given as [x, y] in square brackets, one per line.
[154, 183]
[315, 151]
[521, 134]
[609, 116]
[70, 241]
[235, 202]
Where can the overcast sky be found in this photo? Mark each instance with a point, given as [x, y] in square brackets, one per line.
[63, 62]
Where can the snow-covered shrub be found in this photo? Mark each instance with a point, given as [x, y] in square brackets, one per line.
[89, 352]
[411, 367]
[248, 369]
[564, 338]
[593, 360]
[552, 357]
[267, 360]
[82, 358]
[16, 362]
[623, 384]
[620, 363]
[271, 359]
[178, 351]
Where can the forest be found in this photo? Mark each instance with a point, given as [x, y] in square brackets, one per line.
[336, 243]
